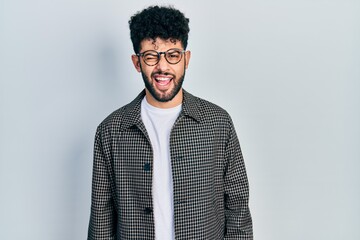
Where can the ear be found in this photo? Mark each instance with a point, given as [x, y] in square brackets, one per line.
[136, 61]
[187, 58]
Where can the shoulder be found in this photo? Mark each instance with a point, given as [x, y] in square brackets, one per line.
[209, 108]
[123, 117]
[115, 118]
[111, 124]
[206, 111]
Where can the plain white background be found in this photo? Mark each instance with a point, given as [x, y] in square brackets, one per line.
[288, 72]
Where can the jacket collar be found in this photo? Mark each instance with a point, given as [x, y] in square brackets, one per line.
[132, 112]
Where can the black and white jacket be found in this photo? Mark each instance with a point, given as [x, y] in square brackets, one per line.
[209, 178]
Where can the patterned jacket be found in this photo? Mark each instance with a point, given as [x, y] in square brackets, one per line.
[209, 178]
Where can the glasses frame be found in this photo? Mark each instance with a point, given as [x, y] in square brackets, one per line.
[159, 56]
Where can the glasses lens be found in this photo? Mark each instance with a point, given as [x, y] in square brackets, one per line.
[151, 57]
[173, 55]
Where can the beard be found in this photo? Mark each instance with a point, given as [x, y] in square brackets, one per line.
[163, 96]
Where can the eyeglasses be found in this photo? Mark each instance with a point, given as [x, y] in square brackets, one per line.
[152, 57]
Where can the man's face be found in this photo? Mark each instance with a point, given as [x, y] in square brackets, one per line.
[163, 81]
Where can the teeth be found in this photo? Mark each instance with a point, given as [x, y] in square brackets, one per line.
[163, 79]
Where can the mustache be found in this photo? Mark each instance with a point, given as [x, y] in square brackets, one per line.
[162, 73]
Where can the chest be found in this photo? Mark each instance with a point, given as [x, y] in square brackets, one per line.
[196, 154]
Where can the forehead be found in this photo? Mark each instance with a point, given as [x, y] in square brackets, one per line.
[159, 44]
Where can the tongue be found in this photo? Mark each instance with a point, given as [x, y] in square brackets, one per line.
[162, 79]
[163, 82]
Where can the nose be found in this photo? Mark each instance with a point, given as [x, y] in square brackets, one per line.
[162, 65]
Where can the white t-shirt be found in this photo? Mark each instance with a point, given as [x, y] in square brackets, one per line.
[158, 123]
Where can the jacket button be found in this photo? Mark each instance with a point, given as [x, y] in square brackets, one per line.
[147, 167]
[148, 210]
[178, 158]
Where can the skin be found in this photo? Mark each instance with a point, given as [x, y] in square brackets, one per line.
[163, 79]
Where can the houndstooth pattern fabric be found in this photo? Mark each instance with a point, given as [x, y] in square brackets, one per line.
[209, 179]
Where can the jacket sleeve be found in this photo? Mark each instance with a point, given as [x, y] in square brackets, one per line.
[103, 213]
[237, 213]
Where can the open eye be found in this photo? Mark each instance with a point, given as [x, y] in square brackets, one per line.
[173, 54]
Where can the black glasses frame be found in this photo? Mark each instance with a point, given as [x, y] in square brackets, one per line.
[159, 55]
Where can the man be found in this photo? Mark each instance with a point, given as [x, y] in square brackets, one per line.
[168, 165]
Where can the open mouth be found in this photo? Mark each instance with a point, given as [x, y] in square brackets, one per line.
[163, 79]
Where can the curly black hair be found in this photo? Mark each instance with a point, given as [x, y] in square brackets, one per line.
[162, 22]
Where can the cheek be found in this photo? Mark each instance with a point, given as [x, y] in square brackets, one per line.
[180, 70]
[147, 71]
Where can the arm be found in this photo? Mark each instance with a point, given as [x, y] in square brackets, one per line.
[103, 213]
[237, 213]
